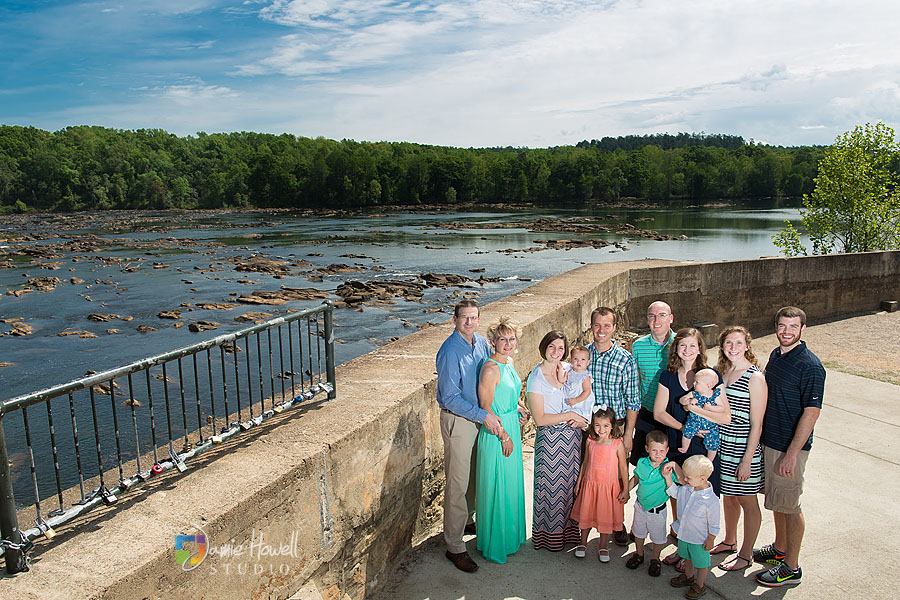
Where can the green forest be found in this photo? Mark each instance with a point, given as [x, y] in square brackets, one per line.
[97, 168]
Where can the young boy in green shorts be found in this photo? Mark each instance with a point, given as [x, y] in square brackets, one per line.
[698, 522]
[650, 507]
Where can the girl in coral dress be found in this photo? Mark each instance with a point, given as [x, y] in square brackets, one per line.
[602, 489]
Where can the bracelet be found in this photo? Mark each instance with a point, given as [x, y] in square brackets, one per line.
[506, 439]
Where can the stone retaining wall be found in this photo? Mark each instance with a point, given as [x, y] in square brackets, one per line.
[341, 493]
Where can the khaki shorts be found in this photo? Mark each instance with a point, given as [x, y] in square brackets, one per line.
[783, 493]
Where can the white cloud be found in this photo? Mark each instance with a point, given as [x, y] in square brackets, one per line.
[519, 72]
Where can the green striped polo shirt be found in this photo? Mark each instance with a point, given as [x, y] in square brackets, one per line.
[651, 358]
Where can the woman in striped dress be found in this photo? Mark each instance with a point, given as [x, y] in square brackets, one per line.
[740, 455]
[557, 448]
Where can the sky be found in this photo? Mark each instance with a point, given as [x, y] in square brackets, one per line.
[469, 73]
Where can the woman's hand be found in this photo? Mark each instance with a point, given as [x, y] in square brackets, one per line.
[524, 415]
[506, 444]
[742, 472]
[578, 421]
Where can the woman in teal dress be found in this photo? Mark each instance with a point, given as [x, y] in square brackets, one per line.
[499, 476]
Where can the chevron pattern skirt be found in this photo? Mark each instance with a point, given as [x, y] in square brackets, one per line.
[557, 458]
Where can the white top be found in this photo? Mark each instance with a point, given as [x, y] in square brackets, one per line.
[554, 398]
[574, 388]
[698, 513]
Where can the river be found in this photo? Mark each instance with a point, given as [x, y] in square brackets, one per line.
[150, 262]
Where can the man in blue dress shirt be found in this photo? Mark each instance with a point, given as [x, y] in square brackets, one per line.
[458, 364]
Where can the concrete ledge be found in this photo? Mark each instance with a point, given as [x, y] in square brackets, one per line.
[343, 492]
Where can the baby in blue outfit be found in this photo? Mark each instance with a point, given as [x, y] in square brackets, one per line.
[704, 395]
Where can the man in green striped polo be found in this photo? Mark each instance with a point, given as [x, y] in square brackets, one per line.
[651, 352]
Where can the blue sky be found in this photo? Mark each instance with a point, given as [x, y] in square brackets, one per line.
[455, 72]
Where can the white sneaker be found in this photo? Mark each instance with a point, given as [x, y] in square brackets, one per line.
[603, 555]
[579, 551]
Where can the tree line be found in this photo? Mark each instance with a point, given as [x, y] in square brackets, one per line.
[97, 168]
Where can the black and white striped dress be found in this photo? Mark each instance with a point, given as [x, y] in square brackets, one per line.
[734, 441]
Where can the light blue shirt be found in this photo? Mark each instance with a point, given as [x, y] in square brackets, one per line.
[458, 367]
[554, 398]
[574, 387]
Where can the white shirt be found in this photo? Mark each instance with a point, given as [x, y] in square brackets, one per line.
[554, 398]
[698, 513]
[574, 388]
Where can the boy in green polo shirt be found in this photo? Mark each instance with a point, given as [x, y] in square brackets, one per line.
[650, 507]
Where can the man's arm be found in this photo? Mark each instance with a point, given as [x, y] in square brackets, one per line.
[812, 388]
[631, 391]
[804, 429]
[450, 389]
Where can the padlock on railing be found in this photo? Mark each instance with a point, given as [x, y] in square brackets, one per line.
[44, 528]
[176, 460]
[108, 496]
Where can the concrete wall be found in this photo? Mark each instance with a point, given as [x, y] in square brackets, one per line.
[748, 292]
[343, 492]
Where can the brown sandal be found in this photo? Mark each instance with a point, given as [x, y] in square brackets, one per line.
[723, 548]
[731, 565]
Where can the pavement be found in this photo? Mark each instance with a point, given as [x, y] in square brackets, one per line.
[853, 483]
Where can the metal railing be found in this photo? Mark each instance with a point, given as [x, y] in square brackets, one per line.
[168, 409]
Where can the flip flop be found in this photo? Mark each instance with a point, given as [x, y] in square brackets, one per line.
[579, 551]
[733, 566]
[723, 548]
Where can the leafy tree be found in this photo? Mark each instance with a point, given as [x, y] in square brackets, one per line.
[855, 205]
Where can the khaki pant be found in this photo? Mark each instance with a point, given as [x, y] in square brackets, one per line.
[459, 436]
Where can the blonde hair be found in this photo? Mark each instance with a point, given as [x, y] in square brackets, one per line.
[711, 377]
[698, 465]
[504, 325]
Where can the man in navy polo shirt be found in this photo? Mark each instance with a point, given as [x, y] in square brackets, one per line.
[796, 381]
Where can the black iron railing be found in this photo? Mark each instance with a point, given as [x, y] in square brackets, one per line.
[148, 417]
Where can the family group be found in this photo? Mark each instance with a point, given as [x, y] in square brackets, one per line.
[693, 435]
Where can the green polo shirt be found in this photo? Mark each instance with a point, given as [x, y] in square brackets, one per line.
[651, 358]
[651, 491]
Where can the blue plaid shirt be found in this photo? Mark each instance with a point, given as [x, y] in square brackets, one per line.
[615, 380]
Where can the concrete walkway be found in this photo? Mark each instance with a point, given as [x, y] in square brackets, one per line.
[850, 503]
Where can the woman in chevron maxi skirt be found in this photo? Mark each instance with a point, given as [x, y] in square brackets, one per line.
[557, 455]
[557, 448]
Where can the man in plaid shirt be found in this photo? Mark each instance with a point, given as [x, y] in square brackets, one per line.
[615, 382]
